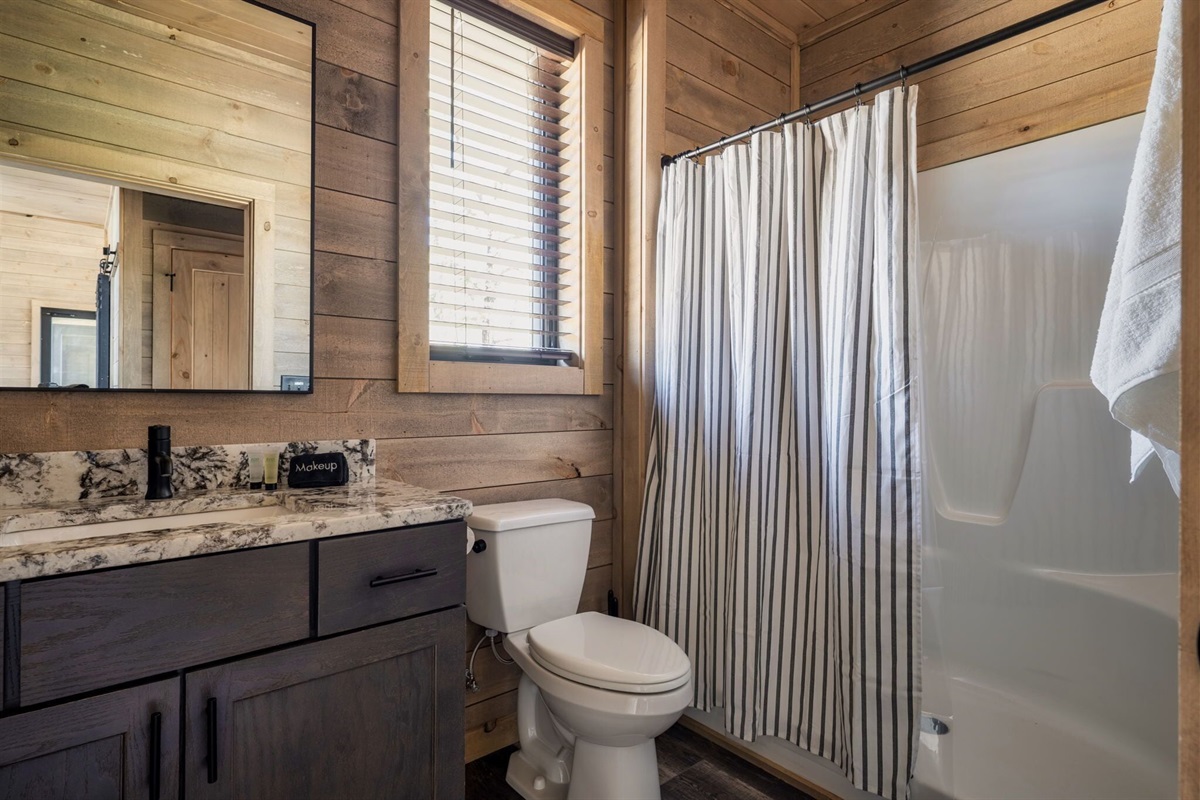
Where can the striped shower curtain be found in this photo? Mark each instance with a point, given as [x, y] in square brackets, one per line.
[780, 541]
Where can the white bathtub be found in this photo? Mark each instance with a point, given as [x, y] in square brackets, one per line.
[1016, 738]
[1078, 704]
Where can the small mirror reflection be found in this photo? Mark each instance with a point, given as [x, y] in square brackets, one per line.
[103, 286]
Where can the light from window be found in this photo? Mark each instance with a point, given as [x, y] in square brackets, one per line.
[498, 208]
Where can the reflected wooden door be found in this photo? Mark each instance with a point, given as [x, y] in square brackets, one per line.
[209, 322]
[208, 314]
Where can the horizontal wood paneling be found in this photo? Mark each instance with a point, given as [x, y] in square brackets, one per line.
[45, 261]
[595, 491]
[693, 53]
[504, 447]
[355, 102]
[1088, 68]
[454, 463]
[352, 408]
[1110, 92]
[732, 33]
[724, 71]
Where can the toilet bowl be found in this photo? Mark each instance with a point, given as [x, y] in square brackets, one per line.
[595, 742]
[595, 690]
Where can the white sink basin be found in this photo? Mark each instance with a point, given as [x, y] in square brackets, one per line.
[163, 523]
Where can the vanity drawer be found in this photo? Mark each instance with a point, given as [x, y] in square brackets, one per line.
[97, 629]
[376, 577]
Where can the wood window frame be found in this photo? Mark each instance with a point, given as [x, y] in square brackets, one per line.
[416, 372]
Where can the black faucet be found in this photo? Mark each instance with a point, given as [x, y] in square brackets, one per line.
[158, 458]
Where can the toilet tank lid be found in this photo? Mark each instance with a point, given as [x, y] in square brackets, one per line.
[527, 514]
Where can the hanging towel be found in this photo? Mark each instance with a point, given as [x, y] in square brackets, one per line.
[1136, 363]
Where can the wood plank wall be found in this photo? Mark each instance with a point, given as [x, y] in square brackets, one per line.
[47, 261]
[51, 237]
[724, 72]
[488, 448]
[1089, 68]
[695, 70]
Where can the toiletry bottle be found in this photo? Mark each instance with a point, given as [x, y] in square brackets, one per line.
[270, 470]
[256, 469]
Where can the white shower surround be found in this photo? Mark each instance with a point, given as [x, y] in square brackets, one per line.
[1050, 581]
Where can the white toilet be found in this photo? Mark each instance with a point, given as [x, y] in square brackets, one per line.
[596, 690]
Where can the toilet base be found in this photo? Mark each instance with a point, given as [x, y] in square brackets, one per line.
[614, 773]
[604, 773]
[525, 778]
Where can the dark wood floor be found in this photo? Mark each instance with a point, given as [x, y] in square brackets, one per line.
[690, 767]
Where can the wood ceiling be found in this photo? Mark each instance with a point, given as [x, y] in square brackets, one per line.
[789, 20]
[799, 15]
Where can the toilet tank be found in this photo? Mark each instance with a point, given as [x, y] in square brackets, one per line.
[532, 566]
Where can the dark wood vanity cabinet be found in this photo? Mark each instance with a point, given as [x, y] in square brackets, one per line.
[360, 697]
[372, 714]
[121, 745]
[96, 629]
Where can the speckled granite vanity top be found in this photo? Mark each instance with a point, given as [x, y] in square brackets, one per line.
[48, 501]
[305, 514]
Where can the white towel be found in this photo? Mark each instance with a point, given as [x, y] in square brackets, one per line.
[1136, 364]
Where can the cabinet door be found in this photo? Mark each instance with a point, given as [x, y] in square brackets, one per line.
[372, 714]
[121, 745]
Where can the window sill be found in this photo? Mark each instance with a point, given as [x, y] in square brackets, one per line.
[459, 377]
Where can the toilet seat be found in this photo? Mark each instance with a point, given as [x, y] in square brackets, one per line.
[610, 653]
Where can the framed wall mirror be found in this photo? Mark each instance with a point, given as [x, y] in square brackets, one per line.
[156, 164]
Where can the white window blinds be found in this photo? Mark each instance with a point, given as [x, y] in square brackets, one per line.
[498, 223]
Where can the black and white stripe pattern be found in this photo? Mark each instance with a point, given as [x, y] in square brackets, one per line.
[780, 541]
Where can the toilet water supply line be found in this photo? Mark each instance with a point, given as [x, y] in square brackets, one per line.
[490, 635]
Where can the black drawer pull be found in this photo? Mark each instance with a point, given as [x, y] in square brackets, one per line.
[408, 576]
[210, 712]
[155, 756]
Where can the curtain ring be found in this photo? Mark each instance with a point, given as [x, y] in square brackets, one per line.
[903, 77]
[807, 114]
[858, 95]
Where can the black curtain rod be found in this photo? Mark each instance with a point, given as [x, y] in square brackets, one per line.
[899, 76]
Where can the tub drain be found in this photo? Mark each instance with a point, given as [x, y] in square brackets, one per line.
[931, 724]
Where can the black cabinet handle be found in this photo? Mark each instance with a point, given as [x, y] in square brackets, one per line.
[155, 756]
[408, 576]
[210, 712]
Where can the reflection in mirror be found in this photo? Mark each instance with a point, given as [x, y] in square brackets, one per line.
[155, 196]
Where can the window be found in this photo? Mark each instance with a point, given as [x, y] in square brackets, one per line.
[498, 119]
[500, 241]
[68, 347]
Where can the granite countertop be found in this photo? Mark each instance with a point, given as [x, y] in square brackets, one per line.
[314, 513]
